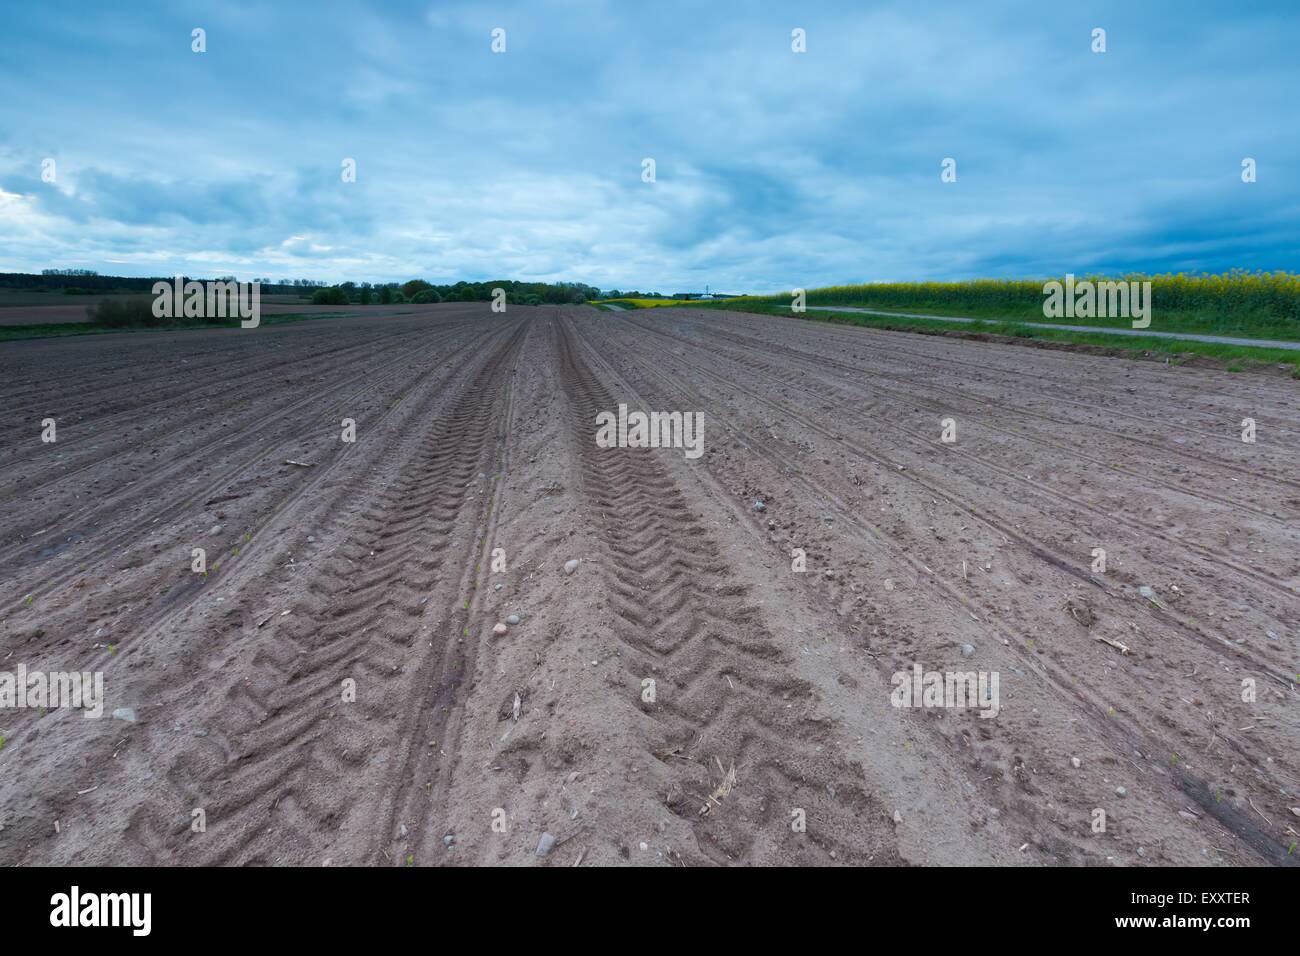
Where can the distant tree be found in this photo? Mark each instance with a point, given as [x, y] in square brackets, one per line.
[333, 295]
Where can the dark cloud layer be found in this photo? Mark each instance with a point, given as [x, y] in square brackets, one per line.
[774, 169]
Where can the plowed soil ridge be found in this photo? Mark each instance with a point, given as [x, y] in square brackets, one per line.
[713, 684]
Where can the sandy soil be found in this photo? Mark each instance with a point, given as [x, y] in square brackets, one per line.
[377, 563]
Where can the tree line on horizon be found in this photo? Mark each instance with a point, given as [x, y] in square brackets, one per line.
[420, 292]
[90, 282]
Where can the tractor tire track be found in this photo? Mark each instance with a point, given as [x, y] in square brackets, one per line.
[723, 698]
[297, 760]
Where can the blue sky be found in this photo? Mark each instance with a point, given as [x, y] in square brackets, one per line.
[774, 169]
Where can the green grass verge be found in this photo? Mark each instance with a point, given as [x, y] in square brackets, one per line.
[1243, 321]
[1233, 357]
[1235, 303]
[1244, 324]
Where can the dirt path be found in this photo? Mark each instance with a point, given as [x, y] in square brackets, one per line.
[332, 690]
[1148, 333]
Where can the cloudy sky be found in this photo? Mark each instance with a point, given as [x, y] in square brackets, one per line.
[774, 169]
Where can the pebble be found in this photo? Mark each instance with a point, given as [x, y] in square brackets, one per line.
[125, 713]
[759, 506]
[449, 839]
[499, 629]
[570, 566]
[1076, 763]
[898, 817]
[1147, 593]
[496, 587]
[512, 620]
[545, 844]
[1121, 791]
[1271, 636]
[311, 539]
[967, 650]
[215, 529]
